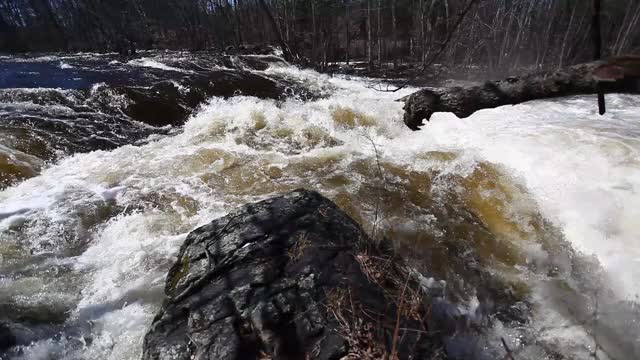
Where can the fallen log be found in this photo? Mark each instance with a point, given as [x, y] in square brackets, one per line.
[615, 75]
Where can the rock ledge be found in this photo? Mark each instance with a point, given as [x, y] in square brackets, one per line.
[286, 278]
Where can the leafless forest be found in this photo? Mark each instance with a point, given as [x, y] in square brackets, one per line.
[497, 34]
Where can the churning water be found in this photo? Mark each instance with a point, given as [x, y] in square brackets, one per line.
[545, 197]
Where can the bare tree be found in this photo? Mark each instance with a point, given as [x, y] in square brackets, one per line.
[369, 57]
[288, 55]
[502, 36]
[347, 26]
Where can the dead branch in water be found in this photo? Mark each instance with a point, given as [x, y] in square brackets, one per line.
[509, 354]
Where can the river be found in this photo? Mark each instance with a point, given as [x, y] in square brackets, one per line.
[525, 217]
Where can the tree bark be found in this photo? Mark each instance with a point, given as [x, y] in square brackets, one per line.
[236, 16]
[314, 31]
[348, 29]
[286, 52]
[394, 35]
[369, 57]
[379, 34]
[420, 39]
[616, 75]
[596, 33]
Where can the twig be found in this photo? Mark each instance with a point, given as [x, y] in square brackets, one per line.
[396, 331]
[380, 178]
[195, 344]
[509, 354]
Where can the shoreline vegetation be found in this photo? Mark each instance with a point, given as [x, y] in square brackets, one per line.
[498, 37]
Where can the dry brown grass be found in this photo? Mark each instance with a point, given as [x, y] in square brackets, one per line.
[297, 250]
[364, 329]
[374, 267]
[358, 333]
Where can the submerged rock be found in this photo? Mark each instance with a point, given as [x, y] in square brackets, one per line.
[170, 102]
[291, 277]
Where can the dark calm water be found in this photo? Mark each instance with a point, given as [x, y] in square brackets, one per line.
[82, 71]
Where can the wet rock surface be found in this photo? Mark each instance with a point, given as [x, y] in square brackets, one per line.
[170, 103]
[7, 338]
[283, 279]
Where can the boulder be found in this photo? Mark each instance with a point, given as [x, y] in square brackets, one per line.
[166, 103]
[261, 62]
[7, 338]
[291, 277]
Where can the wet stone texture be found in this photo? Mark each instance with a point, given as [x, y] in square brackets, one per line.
[257, 284]
[7, 338]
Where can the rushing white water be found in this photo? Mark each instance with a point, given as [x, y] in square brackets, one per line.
[583, 170]
[151, 63]
[129, 209]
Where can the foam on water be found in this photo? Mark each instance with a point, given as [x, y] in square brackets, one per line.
[583, 169]
[129, 209]
[152, 63]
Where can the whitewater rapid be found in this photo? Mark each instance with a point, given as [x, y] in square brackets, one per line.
[582, 169]
[109, 223]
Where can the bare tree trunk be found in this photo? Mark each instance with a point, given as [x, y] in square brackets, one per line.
[421, 37]
[566, 35]
[627, 14]
[369, 57]
[394, 35]
[314, 31]
[629, 29]
[237, 22]
[286, 52]
[323, 43]
[45, 7]
[293, 25]
[379, 34]
[505, 40]
[547, 38]
[446, 13]
[286, 22]
[429, 28]
[597, 48]
[348, 30]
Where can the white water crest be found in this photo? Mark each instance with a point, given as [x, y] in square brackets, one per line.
[129, 209]
[583, 169]
[153, 63]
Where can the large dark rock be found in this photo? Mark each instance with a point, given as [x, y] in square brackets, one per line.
[260, 62]
[250, 49]
[166, 103]
[7, 338]
[285, 278]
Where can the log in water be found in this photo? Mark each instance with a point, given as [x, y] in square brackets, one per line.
[617, 75]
